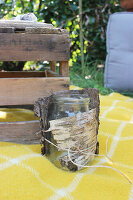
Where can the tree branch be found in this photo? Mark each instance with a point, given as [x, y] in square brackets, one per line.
[40, 4]
[22, 4]
[81, 38]
[71, 8]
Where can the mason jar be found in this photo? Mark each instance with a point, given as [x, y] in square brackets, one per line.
[67, 105]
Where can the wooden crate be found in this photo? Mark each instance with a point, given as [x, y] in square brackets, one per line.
[30, 41]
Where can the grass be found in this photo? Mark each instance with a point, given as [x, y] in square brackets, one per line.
[95, 78]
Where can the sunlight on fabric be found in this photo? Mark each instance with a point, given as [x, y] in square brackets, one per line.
[3, 115]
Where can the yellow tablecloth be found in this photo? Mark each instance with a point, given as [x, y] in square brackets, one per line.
[26, 175]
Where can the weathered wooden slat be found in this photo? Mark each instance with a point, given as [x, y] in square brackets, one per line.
[50, 73]
[64, 68]
[37, 47]
[20, 132]
[23, 24]
[6, 30]
[45, 30]
[53, 66]
[33, 30]
[21, 91]
[22, 74]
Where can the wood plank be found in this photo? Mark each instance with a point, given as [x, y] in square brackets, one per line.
[6, 30]
[50, 73]
[20, 132]
[33, 30]
[37, 47]
[64, 68]
[22, 91]
[23, 24]
[53, 66]
[45, 30]
[21, 74]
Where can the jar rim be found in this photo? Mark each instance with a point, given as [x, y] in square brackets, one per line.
[70, 100]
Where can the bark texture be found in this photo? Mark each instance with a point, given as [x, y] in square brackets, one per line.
[76, 135]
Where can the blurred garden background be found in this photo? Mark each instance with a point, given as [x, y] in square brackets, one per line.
[67, 14]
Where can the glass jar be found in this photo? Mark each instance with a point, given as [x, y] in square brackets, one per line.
[67, 105]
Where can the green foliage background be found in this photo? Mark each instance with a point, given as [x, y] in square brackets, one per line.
[65, 14]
